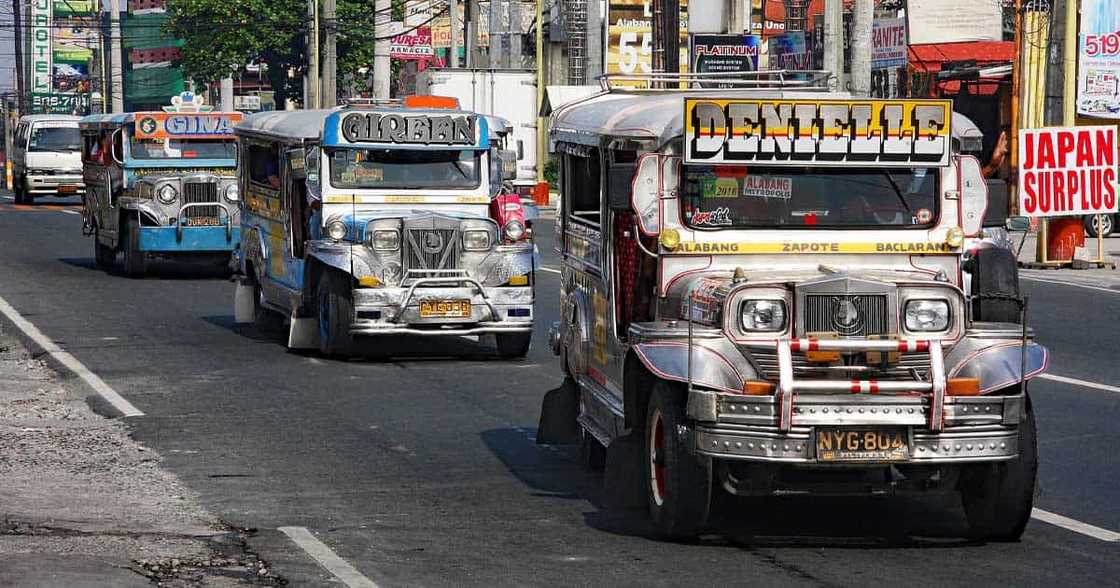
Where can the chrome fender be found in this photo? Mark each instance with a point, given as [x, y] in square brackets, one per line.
[575, 339]
[715, 364]
[996, 364]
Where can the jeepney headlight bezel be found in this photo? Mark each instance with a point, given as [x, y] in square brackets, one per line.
[167, 193]
[232, 193]
[513, 230]
[734, 306]
[384, 240]
[763, 315]
[477, 240]
[942, 314]
[337, 230]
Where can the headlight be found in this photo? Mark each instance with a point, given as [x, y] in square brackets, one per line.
[513, 230]
[477, 240]
[927, 315]
[167, 194]
[231, 193]
[336, 230]
[763, 315]
[385, 240]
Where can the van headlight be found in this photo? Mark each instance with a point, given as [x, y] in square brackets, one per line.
[476, 240]
[167, 194]
[763, 315]
[924, 316]
[232, 194]
[336, 230]
[385, 240]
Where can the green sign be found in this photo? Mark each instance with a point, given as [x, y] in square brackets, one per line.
[58, 103]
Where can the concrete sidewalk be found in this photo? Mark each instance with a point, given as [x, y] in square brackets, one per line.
[1104, 277]
[82, 504]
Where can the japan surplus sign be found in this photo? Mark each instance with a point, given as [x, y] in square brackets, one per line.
[1068, 171]
[1098, 59]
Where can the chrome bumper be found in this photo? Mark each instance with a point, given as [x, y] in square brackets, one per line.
[396, 311]
[50, 184]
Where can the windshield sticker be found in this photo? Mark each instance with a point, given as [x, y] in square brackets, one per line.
[923, 216]
[404, 199]
[874, 133]
[373, 174]
[372, 127]
[768, 187]
[721, 188]
[829, 247]
[720, 217]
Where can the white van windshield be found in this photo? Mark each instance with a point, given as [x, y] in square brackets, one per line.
[52, 138]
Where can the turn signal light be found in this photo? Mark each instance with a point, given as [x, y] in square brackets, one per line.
[670, 239]
[757, 388]
[448, 102]
[369, 282]
[822, 356]
[963, 387]
[521, 280]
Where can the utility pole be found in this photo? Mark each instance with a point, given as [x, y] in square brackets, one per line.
[116, 65]
[311, 89]
[497, 45]
[381, 64]
[330, 57]
[453, 53]
[862, 15]
[834, 40]
[21, 89]
[227, 94]
[542, 140]
[513, 32]
[672, 30]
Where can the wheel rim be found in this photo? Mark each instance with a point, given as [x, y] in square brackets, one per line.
[1105, 225]
[657, 459]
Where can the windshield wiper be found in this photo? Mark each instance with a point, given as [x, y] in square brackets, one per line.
[897, 191]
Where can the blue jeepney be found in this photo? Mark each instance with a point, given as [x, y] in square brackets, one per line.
[161, 184]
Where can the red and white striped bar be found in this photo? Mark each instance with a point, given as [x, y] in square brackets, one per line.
[903, 345]
[864, 386]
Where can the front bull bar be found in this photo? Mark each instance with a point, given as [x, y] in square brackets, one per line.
[458, 277]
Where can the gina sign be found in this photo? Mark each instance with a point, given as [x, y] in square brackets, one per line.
[871, 133]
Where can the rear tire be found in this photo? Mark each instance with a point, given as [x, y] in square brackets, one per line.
[133, 256]
[995, 272]
[513, 345]
[592, 454]
[103, 255]
[1108, 225]
[336, 312]
[678, 482]
[998, 498]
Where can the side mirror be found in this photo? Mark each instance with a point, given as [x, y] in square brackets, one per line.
[998, 203]
[115, 146]
[520, 149]
[973, 197]
[645, 195]
[1018, 224]
[297, 163]
[508, 160]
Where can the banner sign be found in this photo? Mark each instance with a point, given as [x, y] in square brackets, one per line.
[59, 103]
[954, 21]
[375, 127]
[629, 48]
[1068, 170]
[724, 53]
[413, 45]
[870, 133]
[888, 43]
[167, 125]
[789, 51]
[41, 54]
[1098, 59]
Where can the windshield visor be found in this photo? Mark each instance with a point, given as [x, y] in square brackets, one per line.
[405, 168]
[182, 148]
[717, 197]
[63, 139]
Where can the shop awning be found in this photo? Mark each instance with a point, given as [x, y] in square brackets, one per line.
[977, 64]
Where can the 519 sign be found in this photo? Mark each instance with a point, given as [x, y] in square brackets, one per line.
[1104, 44]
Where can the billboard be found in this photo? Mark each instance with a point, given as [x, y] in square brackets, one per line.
[41, 57]
[953, 21]
[1068, 171]
[1098, 59]
[629, 48]
[59, 103]
[724, 53]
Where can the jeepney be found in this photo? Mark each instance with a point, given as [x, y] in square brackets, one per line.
[386, 218]
[161, 184]
[762, 290]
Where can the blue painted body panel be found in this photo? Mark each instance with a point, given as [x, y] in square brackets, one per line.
[199, 239]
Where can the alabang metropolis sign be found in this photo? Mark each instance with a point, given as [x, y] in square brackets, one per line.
[821, 132]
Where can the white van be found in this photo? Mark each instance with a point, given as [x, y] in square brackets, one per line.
[47, 157]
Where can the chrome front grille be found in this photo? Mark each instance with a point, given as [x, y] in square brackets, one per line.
[201, 193]
[908, 366]
[430, 252]
[834, 314]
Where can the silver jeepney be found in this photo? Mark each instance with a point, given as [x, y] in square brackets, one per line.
[764, 296]
[364, 233]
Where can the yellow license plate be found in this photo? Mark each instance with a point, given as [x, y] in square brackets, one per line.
[838, 444]
[203, 221]
[67, 189]
[445, 308]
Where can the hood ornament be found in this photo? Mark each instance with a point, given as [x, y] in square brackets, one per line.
[846, 316]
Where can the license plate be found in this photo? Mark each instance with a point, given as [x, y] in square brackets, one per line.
[203, 221]
[838, 444]
[445, 308]
[67, 189]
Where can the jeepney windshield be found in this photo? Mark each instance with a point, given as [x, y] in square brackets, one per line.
[182, 148]
[736, 196]
[405, 168]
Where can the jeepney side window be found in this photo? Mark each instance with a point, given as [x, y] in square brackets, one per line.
[581, 186]
[264, 166]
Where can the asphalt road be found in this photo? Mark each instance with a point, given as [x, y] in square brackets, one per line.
[421, 469]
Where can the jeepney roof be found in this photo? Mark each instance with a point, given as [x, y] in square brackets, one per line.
[648, 120]
[33, 118]
[297, 126]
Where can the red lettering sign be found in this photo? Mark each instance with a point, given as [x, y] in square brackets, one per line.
[1068, 171]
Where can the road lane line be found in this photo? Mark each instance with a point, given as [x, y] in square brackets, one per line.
[67, 211]
[327, 558]
[1075, 525]
[548, 269]
[1076, 382]
[65, 358]
[1073, 284]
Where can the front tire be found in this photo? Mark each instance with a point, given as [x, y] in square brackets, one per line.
[998, 498]
[133, 256]
[336, 312]
[678, 482]
[1107, 225]
[513, 345]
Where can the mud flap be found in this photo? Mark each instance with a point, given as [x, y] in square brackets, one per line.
[558, 415]
[623, 479]
[243, 304]
[303, 333]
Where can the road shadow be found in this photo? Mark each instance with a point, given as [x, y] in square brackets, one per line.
[158, 269]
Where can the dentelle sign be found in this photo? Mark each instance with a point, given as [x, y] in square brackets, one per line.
[1068, 171]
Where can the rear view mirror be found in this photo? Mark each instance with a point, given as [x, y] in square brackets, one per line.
[520, 149]
[974, 196]
[297, 163]
[1018, 224]
[998, 203]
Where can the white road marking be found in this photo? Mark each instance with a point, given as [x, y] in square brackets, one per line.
[8, 197]
[1074, 284]
[1076, 382]
[65, 358]
[327, 558]
[68, 211]
[1075, 526]
[548, 269]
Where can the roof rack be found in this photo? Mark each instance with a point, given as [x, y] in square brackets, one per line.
[360, 102]
[792, 79]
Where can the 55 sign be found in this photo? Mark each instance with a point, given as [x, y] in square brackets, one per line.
[629, 48]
